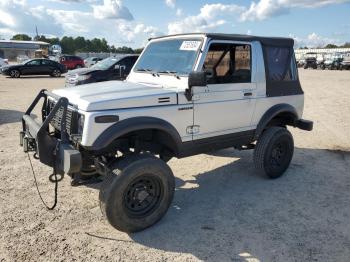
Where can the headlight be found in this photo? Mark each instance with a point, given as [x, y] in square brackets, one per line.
[83, 77]
[81, 121]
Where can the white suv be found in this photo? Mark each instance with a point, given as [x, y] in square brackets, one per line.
[186, 94]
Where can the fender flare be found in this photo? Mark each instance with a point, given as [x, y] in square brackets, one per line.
[271, 113]
[134, 124]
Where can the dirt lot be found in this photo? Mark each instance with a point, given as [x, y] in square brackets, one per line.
[222, 210]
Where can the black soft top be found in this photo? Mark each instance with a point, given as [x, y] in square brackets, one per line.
[271, 41]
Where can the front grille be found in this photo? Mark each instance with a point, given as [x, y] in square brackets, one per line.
[72, 119]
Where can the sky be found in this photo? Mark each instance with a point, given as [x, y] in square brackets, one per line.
[132, 22]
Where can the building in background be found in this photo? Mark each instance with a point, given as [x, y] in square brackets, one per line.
[11, 49]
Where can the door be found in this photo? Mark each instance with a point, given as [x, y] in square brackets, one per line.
[47, 67]
[32, 67]
[117, 70]
[129, 63]
[226, 105]
[68, 62]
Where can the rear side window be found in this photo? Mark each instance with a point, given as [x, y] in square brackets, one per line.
[280, 63]
[281, 71]
[48, 62]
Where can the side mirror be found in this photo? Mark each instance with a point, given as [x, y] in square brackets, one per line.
[116, 67]
[195, 79]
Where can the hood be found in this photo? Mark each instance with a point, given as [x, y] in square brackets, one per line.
[7, 67]
[82, 71]
[117, 95]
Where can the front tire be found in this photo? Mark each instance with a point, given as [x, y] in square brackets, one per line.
[15, 74]
[137, 192]
[274, 151]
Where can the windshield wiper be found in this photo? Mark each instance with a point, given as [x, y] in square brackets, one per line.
[144, 70]
[147, 70]
[173, 73]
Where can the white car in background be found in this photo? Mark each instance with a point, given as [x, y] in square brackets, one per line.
[3, 62]
[22, 58]
[90, 61]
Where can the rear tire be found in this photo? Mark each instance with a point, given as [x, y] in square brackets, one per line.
[274, 151]
[137, 192]
[56, 73]
[15, 74]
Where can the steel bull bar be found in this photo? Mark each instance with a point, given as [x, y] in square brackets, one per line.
[56, 152]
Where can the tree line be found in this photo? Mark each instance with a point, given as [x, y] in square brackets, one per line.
[330, 46]
[71, 45]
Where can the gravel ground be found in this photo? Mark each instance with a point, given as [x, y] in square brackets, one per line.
[222, 210]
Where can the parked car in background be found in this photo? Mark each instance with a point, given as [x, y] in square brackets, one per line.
[22, 58]
[310, 61]
[35, 67]
[71, 61]
[3, 62]
[320, 58]
[111, 68]
[345, 64]
[301, 62]
[333, 61]
[90, 61]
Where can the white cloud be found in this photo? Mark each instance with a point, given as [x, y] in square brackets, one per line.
[314, 40]
[75, 22]
[209, 18]
[131, 31]
[21, 18]
[17, 17]
[170, 3]
[268, 8]
[6, 19]
[179, 12]
[112, 9]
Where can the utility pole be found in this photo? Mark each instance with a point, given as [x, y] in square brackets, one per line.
[36, 31]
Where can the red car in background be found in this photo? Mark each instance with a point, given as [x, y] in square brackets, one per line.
[72, 62]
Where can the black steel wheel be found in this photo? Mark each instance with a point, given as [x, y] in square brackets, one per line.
[274, 151]
[137, 192]
[142, 196]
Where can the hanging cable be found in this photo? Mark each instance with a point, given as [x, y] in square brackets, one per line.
[55, 180]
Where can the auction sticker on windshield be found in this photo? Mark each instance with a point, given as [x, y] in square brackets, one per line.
[190, 45]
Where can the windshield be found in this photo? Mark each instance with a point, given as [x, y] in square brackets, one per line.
[105, 63]
[169, 56]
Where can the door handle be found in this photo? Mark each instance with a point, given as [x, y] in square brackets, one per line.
[248, 93]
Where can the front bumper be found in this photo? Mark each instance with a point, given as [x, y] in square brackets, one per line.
[5, 72]
[51, 150]
[71, 81]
